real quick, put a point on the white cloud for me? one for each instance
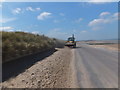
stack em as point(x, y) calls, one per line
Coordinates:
point(5, 20)
point(6, 28)
point(57, 33)
point(116, 16)
point(17, 11)
point(43, 15)
point(104, 14)
point(30, 9)
point(96, 23)
point(35, 32)
point(38, 9)
point(19, 30)
point(2, 0)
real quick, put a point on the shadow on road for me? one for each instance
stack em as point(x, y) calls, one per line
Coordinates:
point(12, 69)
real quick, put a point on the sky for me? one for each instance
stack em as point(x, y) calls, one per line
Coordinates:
point(86, 20)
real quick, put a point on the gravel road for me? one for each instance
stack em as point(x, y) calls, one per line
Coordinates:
point(52, 72)
point(96, 67)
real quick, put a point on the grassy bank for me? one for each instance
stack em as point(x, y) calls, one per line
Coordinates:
point(18, 44)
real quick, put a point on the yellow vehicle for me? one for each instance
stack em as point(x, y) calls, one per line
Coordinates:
point(71, 41)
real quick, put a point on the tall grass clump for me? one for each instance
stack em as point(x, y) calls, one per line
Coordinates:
point(18, 44)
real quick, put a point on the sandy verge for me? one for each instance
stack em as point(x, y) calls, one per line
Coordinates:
point(52, 72)
point(113, 47)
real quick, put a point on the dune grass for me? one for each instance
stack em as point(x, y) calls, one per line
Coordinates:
point(18, 44)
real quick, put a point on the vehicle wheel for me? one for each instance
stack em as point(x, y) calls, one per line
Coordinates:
point(74, 46)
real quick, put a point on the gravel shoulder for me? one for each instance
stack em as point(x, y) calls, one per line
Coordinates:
point(54, 71)
point(113, 47)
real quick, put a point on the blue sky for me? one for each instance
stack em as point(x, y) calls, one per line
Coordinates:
point(62, 19)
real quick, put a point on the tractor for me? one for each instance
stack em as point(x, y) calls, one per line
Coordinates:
point(71, 42)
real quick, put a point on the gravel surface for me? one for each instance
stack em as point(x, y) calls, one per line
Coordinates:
point(54, 71)
point(96, 68)
point(113, 47)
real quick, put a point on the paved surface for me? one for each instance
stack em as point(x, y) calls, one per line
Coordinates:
point(96, 68)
